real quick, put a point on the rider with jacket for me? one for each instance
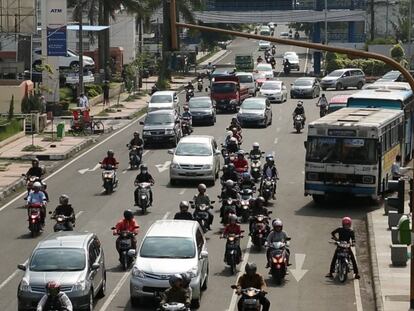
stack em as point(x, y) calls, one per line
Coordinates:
point(176, 293)
point(300, 110)
point(65, 209)
point(277, 235)
point(270, 170)
point(35, 170)
point(36, 196)
point(255, 150)
point(136, 141)
point(229, 173)
point(247, 182)
point(203, 198)
point(322, 104)
point(241, 163)
point(184, 214)
point(258, 209)
point(187, 116)
point(143, 176)
point(128, 223)
point(233, 228)
point(345, 234)
point(54, 299)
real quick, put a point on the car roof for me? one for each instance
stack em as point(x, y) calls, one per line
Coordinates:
point(255, 99)
point(305, 78)
point(196, 139)
point(162, 111)
point(244, 74)
point(66, 239)
point(164, 93)
point(172, 228)
point(264, 65)
point(272, 82)
point(204, 98)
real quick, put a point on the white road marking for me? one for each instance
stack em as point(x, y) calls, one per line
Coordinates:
point(303, 172)
point(83, 171)
point(223, 56)
point(163, 166)
point(182, 191)
point(357, 289)
point(298, 273)
point(75, 160)
point(124, 171)
point(233, 301)
point(278, 129)
point(78, 214)
point(115, 291)
point(306, 61)
point(276, 140)
point(166, 215)
point(11, 276)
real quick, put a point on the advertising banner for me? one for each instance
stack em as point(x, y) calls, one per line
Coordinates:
point(56, 19)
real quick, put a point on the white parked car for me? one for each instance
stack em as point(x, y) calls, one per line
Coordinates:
point(275, 91)
point(196, 157)
point(290, 53)
point(170, 247)
point(263, 45)
point(266, 69)
point(71, 60)
point(247, 80)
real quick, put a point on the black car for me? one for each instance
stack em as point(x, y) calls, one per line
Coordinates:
point(202, 110)
point(306, 87)
point(161, 126)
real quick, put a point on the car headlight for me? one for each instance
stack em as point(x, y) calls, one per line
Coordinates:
point(175, 165)
point(169, 132)
point(136, 273)
point(192, 273)
point(79, 286)
point(24, 286)
point(147, 133)
point(206, 167)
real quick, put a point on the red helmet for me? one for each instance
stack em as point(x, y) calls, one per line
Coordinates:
point(346, 221)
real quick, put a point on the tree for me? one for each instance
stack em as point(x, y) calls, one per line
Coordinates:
point(398, 54)
point(401, 27)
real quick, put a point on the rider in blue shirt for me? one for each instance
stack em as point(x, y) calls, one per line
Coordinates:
point(38, 197)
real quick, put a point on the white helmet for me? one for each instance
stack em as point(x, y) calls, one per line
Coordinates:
point(232, 217)
point(300, 103)
point(37, 185)
point(256, 145)
point(229, 183)
point(229, 133)
point(233, 139)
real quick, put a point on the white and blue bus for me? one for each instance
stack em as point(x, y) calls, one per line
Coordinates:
point(351, 151)
point(390, 95)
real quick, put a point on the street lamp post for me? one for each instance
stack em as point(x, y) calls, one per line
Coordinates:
point(80, 48)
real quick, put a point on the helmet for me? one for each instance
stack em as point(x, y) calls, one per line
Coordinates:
point(300, 103)
point(256, 145)
point(110, 153)
point(35, 160)
point(186, 279)
point(63, 199)
point(175, 278)
point(53, 288)
point(143, 168)
point(269, 157)
point(136, 134)
point(323, 95)
point(241, 152)
point(37, 185)
point(184, 204)
point(233, 140)
point(229, 183)
point(186, 107)
point(250, 268)
point(260, 199)
point(128, 214)
point(229, 133)
point(225, 168)
point(277, 223)
point(246, 176)
point(232, 217)
point(202, 187)
point(346, 221)
point(234, 119)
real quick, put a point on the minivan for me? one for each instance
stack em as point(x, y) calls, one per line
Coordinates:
point(247, 80)
point(170, 247)
point(163, 100)
point(343, 78)
point(75, 260)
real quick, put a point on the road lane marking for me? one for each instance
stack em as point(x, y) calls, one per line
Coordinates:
point(115, 291)
point(182, 192)
point(83, 171)
point(166, 215)
point(278, 129)
point(306, 61)
point(298, 273)
point(163, 166)
point(276, 141)
point(75, 160)
point(78, 214)
point(303, 172)
point(4, 283)
point(358, 300)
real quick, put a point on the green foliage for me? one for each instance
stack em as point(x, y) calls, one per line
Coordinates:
point(9, 128)
point(65, 94)
point(388, 40)
point(93, 90)
point(32, 148)
point(371, 67)
point(163, 85)
point(305, 27)
point(31, 103)
point(11, 109)
point(397, 52)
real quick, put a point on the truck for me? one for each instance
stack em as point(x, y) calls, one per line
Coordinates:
point(227, 93)
point(244, 62)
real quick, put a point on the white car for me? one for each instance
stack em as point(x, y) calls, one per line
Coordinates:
point(275, 91)
point(284, 35)
point(71, 60)
point(263, 45)
point(196, 157)
point(247, 80)
point(163, 100)
point(271, 26)
point(170, 247)
point(266, 69)
point(292, 53)
point(293, 60)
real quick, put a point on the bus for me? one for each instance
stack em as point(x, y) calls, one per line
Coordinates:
point(351, 151)
point(390, 95)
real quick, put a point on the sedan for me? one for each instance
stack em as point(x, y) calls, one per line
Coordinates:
point(255, 111)
point(305, 87)
point(275, 91)
point(266, 69)
point(264, 45)
point(202, 110)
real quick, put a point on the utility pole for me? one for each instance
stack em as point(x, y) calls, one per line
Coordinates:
point(326, 21)
point(386, 20)
point(80, 90)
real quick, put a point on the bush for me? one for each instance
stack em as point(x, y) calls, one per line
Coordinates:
point(369, 66)
point(382, 41)
point(31, 103)
point(11, 128)
point(93, 90)
point(397, 53)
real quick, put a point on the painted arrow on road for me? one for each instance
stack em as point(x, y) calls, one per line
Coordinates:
point(298, 273)
point(84, 170)
point(163, 167)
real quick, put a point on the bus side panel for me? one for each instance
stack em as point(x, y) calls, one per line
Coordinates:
point(387, 160)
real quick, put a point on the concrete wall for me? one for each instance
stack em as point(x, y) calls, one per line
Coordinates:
point(16, 88)
point(380, 15)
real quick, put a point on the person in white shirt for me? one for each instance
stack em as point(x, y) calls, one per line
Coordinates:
point(83, 102)
point(397, 170)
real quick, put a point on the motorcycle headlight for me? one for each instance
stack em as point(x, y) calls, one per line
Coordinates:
point(169, 132)
point(147, 133)
point(24, 286)
point(79, 286)
point(206, 167)
point(175, 165)
point(136, 273)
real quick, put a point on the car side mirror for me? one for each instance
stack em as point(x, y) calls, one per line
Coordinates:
point(170, 151)
point(141, 122)
point(288, 238)
point(203, 254)
point(21, 267)
point(95, 266)
point(305, 143)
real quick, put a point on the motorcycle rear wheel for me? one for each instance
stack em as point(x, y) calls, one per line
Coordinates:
point(342, 271)
point(124, 262)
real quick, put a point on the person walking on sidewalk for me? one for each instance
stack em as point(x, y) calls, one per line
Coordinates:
point(105, 89)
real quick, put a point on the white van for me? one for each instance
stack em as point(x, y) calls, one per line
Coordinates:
point(247, 80)
point(163, 100)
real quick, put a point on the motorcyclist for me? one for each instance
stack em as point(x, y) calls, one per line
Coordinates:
point(35, 170)
point(136, 141)
point(232, 145)
point(54, 299)
point(345, 234)
point(176, 293)
point(255, 150)
point(128, 223)
point(300, 110)
point(154, 89)
point(247, 181)
point(233, 228)
point(143, 176)
point(270, 170)
point(258, 209)
point(272, 62)
point(229, 173)
point(184, 214)
point(189, 86)
point(186, 284)
point(110, 160)
point(186, 115)
point(65, 209)
point(277, 235)
point(202, 198)
point(273, 50)
point(241, 163)
point(252, 279)
point(235, 123)
point(36, 196)
point(228, 192)
point(259, 59)
point(322, 103)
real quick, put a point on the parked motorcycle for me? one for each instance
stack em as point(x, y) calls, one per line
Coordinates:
point(109, 179)
point(343, 263)
point(232, 251)
point(200, 84)
point(278, 255)
point(135, 156)
point(144, 189)
point(201, 214)
point(189, 94)
point(298, 122)
point(126, 252)
point(244, 209)
point(61, 223)
point(186, 126)
point(251, 301)
point(255, 166)
point(35, 218)
point(174, 306)
point(266, 190)
point(260, 230)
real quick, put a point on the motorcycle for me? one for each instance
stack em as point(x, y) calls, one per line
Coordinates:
point(298, 122)
point(144, 189)
point(323, 111)
point(286, 69)
point(255, 166)
point(200, 84)
point(154, 89)
point(244, 209)
point(260, 230)
point(251, 301)
point(201, 214)
point(174, 306)
point(109, 179)
point(232, 252)
point(135, 156)
point(343, 263)
point(229, 207)
point(189, 94)
point(35, 218)
point(126, 252)
point(61, 223)
point(266, 190)
point(278, 255)
point(186, 126)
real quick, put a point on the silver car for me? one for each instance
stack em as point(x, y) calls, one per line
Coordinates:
point(75, 260)
point(344, 78)
point(255, 111)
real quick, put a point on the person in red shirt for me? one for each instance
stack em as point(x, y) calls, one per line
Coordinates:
point(110, 160)
point(127, 224)
point(233, 228)
point(241, 163)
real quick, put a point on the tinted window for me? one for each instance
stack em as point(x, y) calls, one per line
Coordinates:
point(193, 149)
point(92, 254)
point(224, 87)
point(167, 247)
point(161, 99)
point(253, 105)
point(336, 73)
point(302, 82)
point(196, 103)
point(245, 79)
point(271, 86)
point(58, 259)
point(156, 119)
point(199, 241)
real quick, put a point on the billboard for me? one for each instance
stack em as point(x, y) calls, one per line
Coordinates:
point(18, 16)
point(56, 27)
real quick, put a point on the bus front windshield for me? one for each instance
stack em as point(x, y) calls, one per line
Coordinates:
point(342, 150)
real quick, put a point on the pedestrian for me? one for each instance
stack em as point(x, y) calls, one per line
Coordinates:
point(397, 170)
point(43, 104)
point(83, 102)
point(105, 89)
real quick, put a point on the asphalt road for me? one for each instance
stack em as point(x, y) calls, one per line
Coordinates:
point(309, 226)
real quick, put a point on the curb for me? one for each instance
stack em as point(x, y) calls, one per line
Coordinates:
point(11, 188)
point(379, 305)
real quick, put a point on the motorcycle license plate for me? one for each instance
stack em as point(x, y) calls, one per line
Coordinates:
point(191, 173)
point(250, 301)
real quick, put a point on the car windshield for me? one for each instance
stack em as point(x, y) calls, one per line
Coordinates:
point(158, 118)
point(292, 58)
point(264, 42)
point(245, 78)
point(302, 82)
point(264, 67)
point(224, 87)
point(161, 99)
point(197, 103)
point(336, 73)
point(341, 150)
point(243, 59)
point(253, 105)
point(193, 149)
point(58, 259)
point(167, 247)
point(270, 86)
point(391, 75)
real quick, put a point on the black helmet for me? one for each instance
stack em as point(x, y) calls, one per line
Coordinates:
point(175, 278)
point(143, 167)
point(184, 204)
point(35, 160)
point(128, 214)
point(251, 268)
point(63, 199)
point(110, 153)
point(260, 199)
point(136, 134)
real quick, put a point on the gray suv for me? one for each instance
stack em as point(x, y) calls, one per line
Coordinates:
point(344, 78)
point(161, 126)
point(75, 260)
